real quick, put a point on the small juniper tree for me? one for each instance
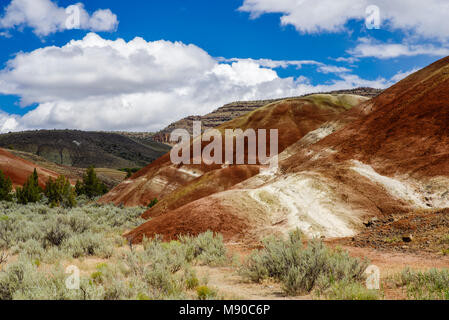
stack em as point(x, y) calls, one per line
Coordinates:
point(91, 186)
point(60, 193)
point(153, 203)
point(31, 191)
point(5, 188)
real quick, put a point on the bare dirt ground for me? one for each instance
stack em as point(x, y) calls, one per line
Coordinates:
point(232, 287)
point(390, 262)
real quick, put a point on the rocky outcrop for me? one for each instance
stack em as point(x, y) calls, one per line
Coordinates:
point(237, 109)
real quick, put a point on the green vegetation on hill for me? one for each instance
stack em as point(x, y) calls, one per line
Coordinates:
point(82, 149)
point(59, 192)
point(91, 186)
point(130, 171)
point(5, 187)
point(31, 192)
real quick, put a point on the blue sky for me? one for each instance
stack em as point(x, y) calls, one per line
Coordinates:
point(40, 87)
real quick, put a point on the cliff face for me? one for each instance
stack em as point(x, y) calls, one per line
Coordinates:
point(234, 110)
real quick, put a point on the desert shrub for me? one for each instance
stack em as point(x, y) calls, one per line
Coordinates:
point(153, 203)
point(274, 260)
point(207, 248)
point(59, 192)
point(6, 231)
point(3, 258)
point(87, 244)
point(78, 223)
point(31, 248)
point(163, 283)
point(31, 191)
point(55, 232)
point(5, 187)
point(302, 270)
point(206, 293)
point(91, 186)
point(95, 228)
point(159, 271)
point(191, 279)
point(343, 290)
point(429, 285)
point(23, 281)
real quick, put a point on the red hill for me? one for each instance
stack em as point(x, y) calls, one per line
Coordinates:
point(18, 170)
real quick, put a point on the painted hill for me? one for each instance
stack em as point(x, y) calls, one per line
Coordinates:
point(387, 156)
point(110, 177)
point(175, 185)
point(237, 109)
point(18, 169)
point(83, 149)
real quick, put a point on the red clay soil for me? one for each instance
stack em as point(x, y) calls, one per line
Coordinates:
point(413, 232)
point(193, 219)
point(403, 130)
point(294, 118)
point(18, 169)
point(210, 183)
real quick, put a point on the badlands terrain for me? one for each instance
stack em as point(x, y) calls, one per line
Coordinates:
point(362, 174)
point(348, 164)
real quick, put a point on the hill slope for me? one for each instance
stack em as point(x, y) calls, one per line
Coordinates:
point(83, 149)
point(18, 169)
point(237, 109)
point(293, 117)
point(387, 156)
point(110, 177)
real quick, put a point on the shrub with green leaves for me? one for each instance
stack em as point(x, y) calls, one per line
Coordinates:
point(5, 187)
point(207, 248)
point(91, 186)
point(429, 285)
point(59, 192)
point(206, 293)
point(50, 234)
point(31, 192)
point(300, 269)
point(40, 236)
point(153, 203)
point(344, 290)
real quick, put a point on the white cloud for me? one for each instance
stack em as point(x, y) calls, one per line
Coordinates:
point(98, 84)
point(332, 69)
point(370, 48)
point(424, 18)
point(274, 64)
point(345, 59)
point(46, 17)
point(402, 75)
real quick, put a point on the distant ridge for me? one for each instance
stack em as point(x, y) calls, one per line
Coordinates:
point(83, 149)
point(239, 108)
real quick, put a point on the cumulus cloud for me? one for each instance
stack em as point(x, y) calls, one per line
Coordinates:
point(298, 64)
point(427, 19)
point(45, 17)
point(99, 84)
point(274, 64)
point(370, 48)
